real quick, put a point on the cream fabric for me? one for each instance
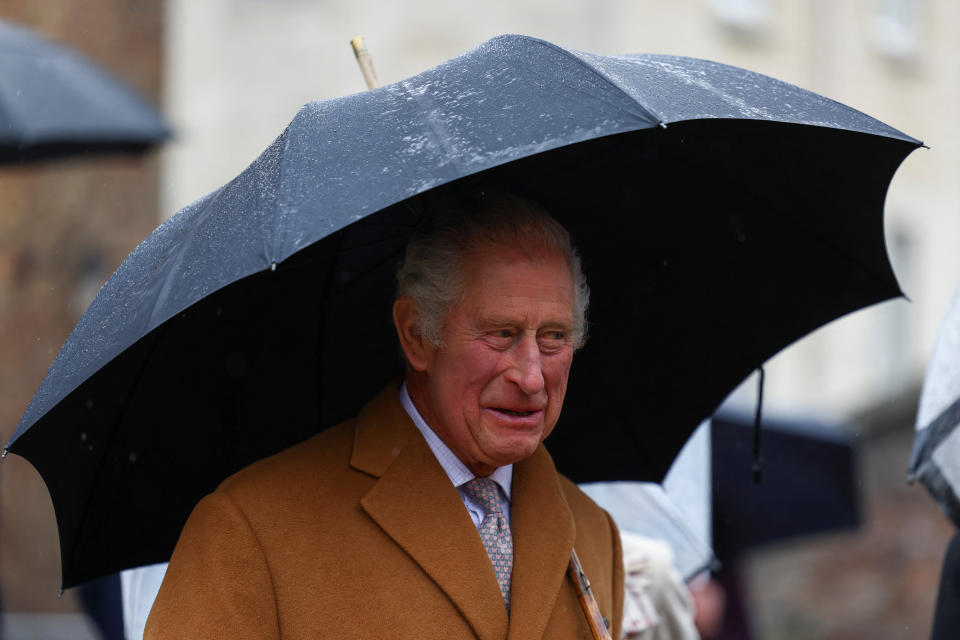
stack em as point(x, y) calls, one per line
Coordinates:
point(657, 604)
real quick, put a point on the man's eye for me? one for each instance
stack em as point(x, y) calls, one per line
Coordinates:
point(553, 339)
point(500, 338)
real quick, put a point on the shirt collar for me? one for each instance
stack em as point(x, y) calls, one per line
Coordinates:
point(455, 469)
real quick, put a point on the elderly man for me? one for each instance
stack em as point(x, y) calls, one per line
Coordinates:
point(437, 512)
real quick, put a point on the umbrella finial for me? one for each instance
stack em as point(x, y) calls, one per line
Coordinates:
point(365, 62)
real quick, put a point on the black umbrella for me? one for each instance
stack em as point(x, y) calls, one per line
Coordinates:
point(809, 483)
point(260, 313)
point(808, 486)
point(55, 102)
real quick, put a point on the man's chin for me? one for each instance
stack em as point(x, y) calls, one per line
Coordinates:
point(517, 450)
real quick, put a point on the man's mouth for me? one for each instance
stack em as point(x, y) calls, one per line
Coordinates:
point(511, 412)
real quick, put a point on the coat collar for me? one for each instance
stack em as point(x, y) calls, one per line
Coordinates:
point(441, 538)
point(543, 536)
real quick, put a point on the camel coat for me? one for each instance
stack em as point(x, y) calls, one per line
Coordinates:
point(358, 533)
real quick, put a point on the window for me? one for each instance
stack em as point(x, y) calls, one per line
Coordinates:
point(896, 28)
point(748, 19)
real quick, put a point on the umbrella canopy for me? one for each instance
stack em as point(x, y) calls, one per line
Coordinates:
point(709, 496)
point(935, 461)
point(261, 313)
point(55, 102)
point(676, 511)
point(809, 483)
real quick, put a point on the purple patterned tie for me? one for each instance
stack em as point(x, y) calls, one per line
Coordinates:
point(494, 531)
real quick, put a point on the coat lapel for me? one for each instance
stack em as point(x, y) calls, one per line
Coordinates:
point(417, 506)
point(543, 536)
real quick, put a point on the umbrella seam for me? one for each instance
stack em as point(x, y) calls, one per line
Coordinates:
point(940, 488)
point(436, 130)
point(187, 240)
point(650, 115)
point(275, 253)
point(890, 133)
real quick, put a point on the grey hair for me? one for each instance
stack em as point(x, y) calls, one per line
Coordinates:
point(431, 271)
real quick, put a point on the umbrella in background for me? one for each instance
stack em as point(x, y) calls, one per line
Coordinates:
point(709, 497)
point(676, 511)
point(261, 313)
point(54, 102)
point(809, 483)
point(935, 461)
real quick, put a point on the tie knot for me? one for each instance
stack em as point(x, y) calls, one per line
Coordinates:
point(485, 492)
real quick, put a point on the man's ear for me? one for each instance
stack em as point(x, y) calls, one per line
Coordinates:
point(419, 352)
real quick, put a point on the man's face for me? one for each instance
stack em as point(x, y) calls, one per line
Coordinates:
point(494, 389)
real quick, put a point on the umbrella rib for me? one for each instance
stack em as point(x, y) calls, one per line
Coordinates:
point(440, 136)
point(153, 320)
point(274, 253)
point(933, 434)
point(649, 114)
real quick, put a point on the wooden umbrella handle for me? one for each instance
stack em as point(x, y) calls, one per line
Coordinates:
point(598, 624)
point(365, 62)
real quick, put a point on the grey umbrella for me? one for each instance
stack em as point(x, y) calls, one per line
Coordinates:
point(260, 314)
point(677, 511)
point(53, 101)
point(936, 451)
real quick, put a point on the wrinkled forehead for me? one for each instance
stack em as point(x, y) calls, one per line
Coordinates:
point(475, 261)
point(502, 275)
point(534, 239)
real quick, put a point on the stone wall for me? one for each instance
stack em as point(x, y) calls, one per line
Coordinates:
point(65, 225)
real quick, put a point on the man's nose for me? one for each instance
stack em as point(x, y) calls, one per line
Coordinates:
point(527, 372)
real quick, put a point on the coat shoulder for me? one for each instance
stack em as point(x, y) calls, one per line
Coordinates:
point(582, 506)
point(294, 469)
point(597, 537)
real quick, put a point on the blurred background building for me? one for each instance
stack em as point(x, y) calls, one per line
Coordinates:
point(230, 74)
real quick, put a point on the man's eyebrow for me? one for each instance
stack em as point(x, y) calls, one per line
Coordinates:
point(490, 321)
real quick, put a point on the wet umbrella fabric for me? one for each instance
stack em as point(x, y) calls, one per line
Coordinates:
point(54, 102)
point(261, 313)
point(935, 461)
